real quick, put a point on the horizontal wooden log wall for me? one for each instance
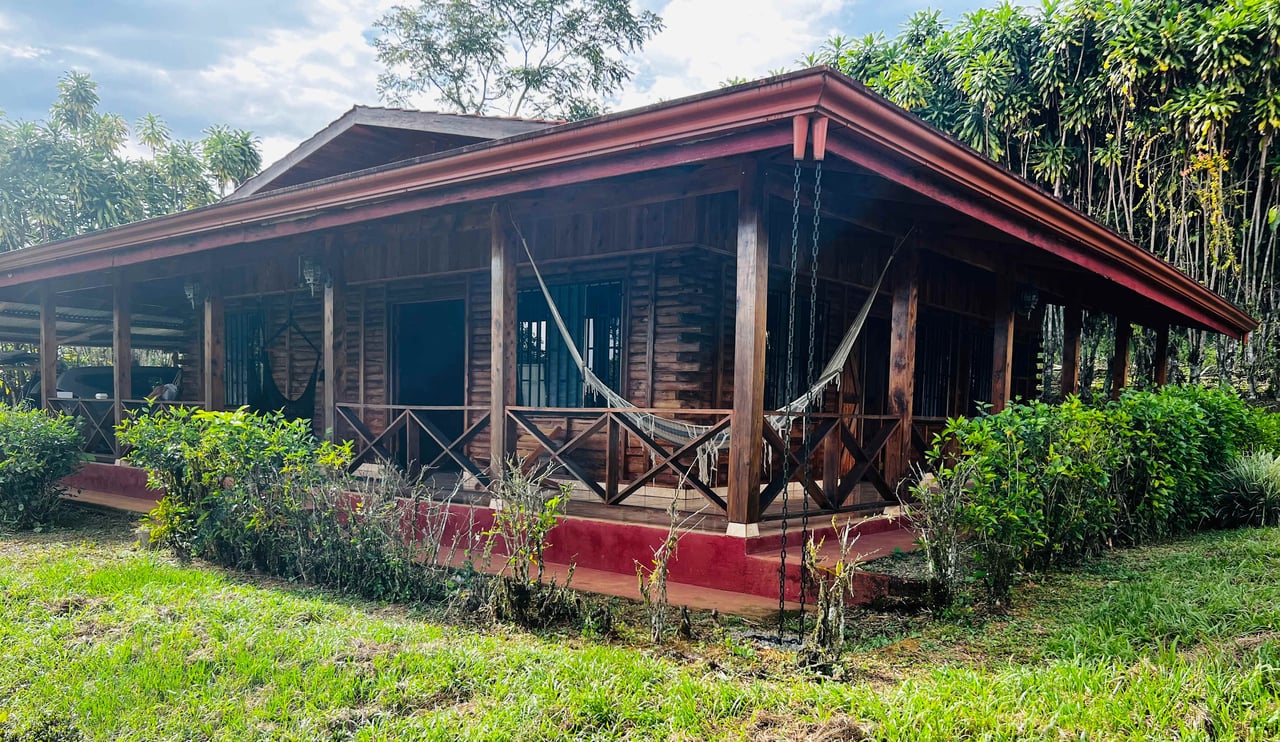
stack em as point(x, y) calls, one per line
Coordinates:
point(659, 253)
point(673, 258)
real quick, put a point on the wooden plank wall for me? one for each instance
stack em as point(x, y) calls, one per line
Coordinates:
point(675, 262)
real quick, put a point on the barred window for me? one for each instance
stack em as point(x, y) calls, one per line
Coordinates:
point(547, 375)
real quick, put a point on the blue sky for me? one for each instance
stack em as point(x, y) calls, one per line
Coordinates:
point(285, 68)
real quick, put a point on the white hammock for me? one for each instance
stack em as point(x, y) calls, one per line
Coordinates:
point(682, 433)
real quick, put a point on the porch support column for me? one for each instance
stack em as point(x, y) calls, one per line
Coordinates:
point(502, 340)
point(1073, 324)
point(746, 437)
point(1120, 359)
point(902, 363)
point(1160, 372)
point(1002, 348)
point(48, 346)
point(214, 352)
point(334, 340)
point(121, 345)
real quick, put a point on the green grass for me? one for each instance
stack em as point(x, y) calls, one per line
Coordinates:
point(1173, 641)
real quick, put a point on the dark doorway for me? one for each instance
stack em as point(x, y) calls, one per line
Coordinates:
point(430, 365)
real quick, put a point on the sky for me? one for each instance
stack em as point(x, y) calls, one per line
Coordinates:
point(286, 68)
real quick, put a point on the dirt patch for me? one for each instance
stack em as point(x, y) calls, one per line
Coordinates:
point(768, 727)
point(363, 653)
point(74, 604)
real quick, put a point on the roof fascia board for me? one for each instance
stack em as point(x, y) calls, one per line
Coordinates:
point(480, 127)
point(912, 141)
point(320, 219)
point(688, 123)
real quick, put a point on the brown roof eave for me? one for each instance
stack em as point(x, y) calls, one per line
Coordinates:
point(695, 118)
point(911, 140)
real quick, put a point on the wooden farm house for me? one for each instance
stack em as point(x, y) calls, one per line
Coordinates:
point(646, 299)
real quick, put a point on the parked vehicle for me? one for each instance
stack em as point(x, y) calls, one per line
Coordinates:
point(87, 382)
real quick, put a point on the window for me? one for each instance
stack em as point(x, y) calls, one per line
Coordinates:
point(547, 375)
point(775, 362)
point(244, 358)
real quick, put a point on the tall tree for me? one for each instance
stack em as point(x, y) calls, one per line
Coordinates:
point(69, 174)
point(551, 58)
point(1156, 117)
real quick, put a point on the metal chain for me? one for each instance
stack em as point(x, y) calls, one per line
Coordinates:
point(805, 422)
point(790, 387)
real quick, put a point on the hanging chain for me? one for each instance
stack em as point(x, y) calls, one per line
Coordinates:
point(805, 422)
point(790, 393)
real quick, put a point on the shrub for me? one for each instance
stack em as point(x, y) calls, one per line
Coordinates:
point(260, 492)
point(1267, 425)
point(834, 583)
point(522, 522)
point(1249, 489)
point(37, 450)
point(935, 510)
point(1040, 485)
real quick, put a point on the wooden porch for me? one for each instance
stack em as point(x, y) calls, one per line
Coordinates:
point(691, 281)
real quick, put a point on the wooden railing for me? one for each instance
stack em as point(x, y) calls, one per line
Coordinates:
point(96, 420)
point(601, 447)
point(842, 451)
point(613, 455)
point(393, 434)
point(923, 430)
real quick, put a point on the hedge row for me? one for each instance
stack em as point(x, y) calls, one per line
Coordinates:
point(1038, 485)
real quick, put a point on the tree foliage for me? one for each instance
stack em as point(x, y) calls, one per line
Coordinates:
point(551, 58)
point(1156, 117)
point(70, 174)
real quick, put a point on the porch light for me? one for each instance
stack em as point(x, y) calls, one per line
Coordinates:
point(312, 274)
point(192, 290)
point(1027, 301)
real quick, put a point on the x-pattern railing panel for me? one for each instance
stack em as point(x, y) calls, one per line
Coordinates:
point(835, 437)
point(618, 429)
point(379, 447)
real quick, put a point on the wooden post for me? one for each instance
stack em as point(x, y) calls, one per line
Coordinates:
point(214, 352)
point(1002, 348)
point(1160, 372)
point(121, 346)
point(502, 339)
point(902, 363)
point(334, 340)
point(746, 428)
point(1120, 360)
point(48, 346)
point(1072, 327)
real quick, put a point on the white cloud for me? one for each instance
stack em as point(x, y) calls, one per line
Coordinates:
point(21, 51)
point(13, 50)
point(706, 42)
point(292, 83)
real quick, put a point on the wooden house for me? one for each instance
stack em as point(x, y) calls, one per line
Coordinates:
point(376, 279)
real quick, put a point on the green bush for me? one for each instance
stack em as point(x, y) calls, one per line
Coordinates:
point(1267, 425)
point(260, 492)
point(1044, 485)
point(37, 450)
point(1249, 489)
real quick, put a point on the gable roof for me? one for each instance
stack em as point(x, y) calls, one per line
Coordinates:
point(367, 136)
point(754, 117)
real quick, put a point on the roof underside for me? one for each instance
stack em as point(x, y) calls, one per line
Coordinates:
point(865, 130)
point(367, 137)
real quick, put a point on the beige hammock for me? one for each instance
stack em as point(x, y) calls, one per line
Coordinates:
point(682, 433)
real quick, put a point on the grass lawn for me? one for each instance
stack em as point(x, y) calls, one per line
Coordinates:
point(1178, 641)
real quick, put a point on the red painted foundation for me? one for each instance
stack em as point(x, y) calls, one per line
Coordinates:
point(111, 479)
point(749, 566)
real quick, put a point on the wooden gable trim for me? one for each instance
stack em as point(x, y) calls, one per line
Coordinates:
point(480, 127)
